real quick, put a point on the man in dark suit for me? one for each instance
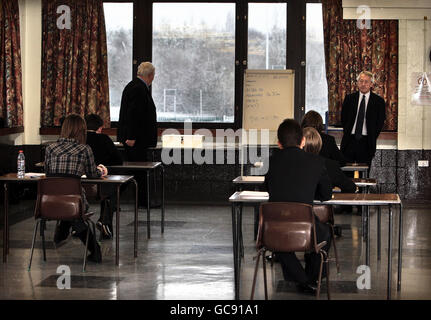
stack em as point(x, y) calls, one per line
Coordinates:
point(138, 121)
point(362, 116)
point(297, 176)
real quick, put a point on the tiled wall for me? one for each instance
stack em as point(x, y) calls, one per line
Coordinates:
point(396, 172)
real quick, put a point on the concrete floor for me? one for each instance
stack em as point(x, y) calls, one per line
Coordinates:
point(193, 259)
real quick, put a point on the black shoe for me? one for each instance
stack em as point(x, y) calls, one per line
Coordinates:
point(306, 288)
point(273, 257)
point(60, 235)
point(96, 255)
point(105, 230)
point(337, 230)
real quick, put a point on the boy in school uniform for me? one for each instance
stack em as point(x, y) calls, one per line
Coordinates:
point(107, 153)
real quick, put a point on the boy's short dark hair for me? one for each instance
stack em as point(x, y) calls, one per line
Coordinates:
point(93, 121)
point(289, 133)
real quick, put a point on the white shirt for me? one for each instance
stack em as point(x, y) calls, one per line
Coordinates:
point(364, 127)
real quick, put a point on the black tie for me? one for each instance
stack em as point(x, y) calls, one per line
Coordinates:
point(360, 120)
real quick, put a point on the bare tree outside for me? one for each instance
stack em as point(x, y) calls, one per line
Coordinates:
point(267, 35)
point(119, 35)
point(194, 55)
point(316, 87)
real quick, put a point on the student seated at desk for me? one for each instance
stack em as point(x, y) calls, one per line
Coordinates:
point(297, 176)
point(67, 157)
point(329, 146)
point(104, 152)
point(313, 144)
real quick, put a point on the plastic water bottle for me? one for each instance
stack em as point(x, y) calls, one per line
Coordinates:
point(21, 164)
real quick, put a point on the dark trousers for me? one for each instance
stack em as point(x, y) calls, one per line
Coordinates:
point(292, 268)
point(81, 231)
point(358, 150)
point(139, 154)
point(110, 204)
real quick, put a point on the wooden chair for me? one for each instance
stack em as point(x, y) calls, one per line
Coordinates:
point(325, 213)
point(288, 227)
point(59, 198)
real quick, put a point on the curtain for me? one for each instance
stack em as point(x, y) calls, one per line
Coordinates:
point(11, 109)
point(350, 50)
point(74, 60)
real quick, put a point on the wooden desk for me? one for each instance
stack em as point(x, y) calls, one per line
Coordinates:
point(259, 180)
point(241, 182)
point(238, 199)
point(147, 167)
point(361, 167)
point(117, 180)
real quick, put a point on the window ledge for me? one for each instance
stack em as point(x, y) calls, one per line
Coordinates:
point(8, 131)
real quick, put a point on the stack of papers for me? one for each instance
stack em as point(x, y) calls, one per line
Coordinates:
point(34, 175)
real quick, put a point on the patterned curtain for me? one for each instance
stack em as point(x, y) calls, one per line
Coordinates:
point(74, 60)
point(10, 65)
point(349, 50)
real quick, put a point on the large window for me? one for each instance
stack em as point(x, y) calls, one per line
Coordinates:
point(201, 50)
point(194, 56)
point(119, 35)
point(316, 87)
point(267, 35)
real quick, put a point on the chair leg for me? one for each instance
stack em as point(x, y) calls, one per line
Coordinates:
point(335, 248)
point(42, 234)
point(32, 243)
point(327, 275)
point(86, 247)
point(255, 274)
point(94, 231)
point(264, 274)
point(319, 281)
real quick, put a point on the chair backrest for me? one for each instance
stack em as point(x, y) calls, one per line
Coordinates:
point(286, 227)
point(324, 212)
point(59, 198)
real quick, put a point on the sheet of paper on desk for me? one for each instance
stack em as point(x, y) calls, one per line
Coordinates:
point(34, 175)
point(253, 178)
point(254, 194)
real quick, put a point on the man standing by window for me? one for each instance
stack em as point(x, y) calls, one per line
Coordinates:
point(362, 116)
point(138, 121)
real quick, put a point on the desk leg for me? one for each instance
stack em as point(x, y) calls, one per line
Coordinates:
point(256, 221)
point(136, 219)
point(117, 229)
point(379, 239)
point(163, 198)
point(241, 241)
point(367, 250)
point(235, 250)
point(400, 247)
point(5, 223)
point(148, 205)
point(390, 254)
point(379, 227)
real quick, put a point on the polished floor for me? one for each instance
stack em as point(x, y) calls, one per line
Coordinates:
point(193, 259)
